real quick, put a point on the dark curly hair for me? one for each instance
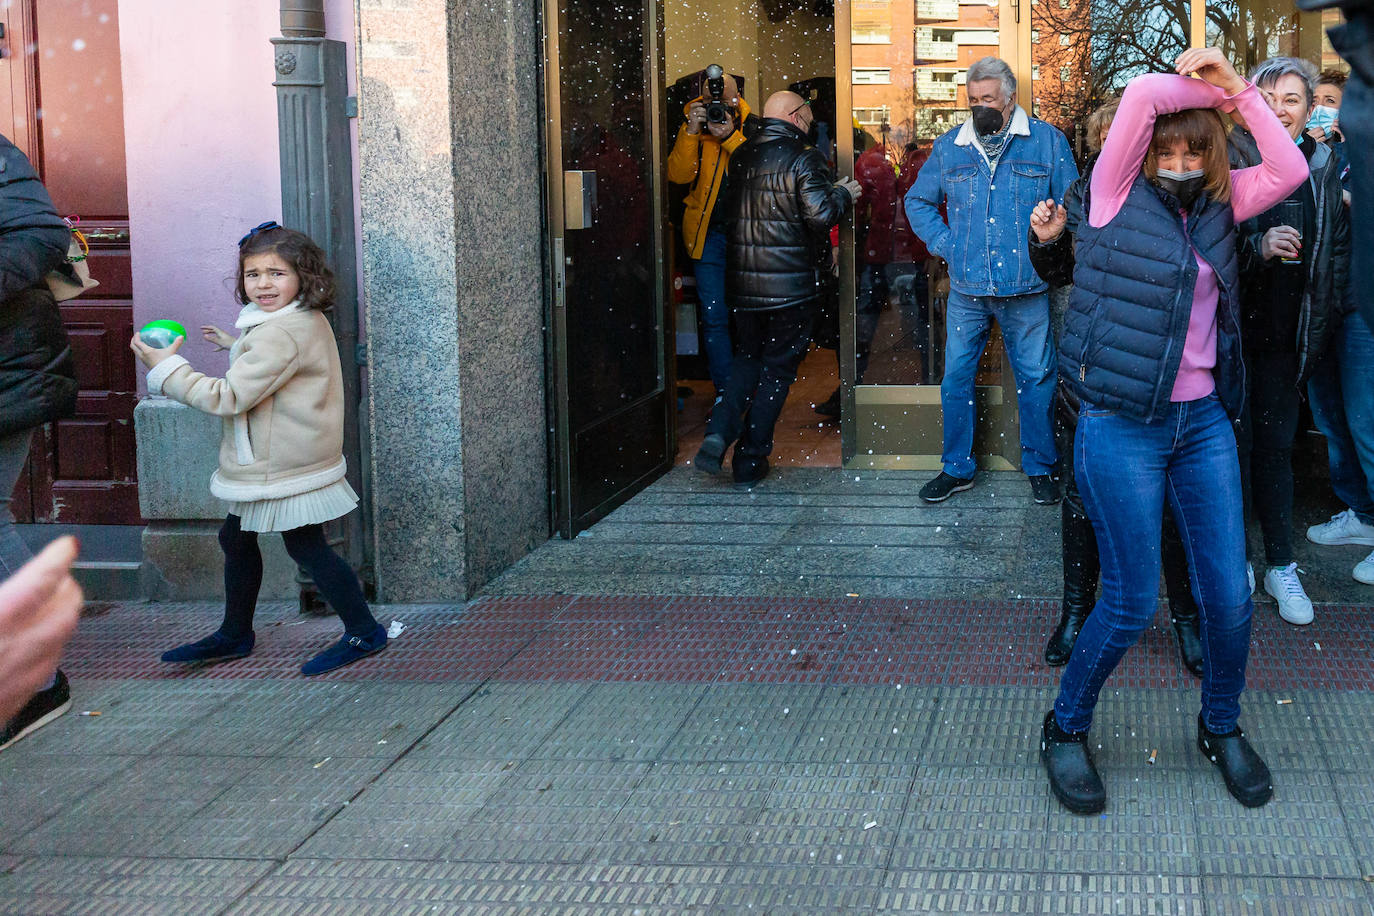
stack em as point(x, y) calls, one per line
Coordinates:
point(304, 256)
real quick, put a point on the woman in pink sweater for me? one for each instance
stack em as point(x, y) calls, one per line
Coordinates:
point(1151, 346)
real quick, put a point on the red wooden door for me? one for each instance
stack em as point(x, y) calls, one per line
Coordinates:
point(61, 100)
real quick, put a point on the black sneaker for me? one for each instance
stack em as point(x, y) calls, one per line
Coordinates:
point(710, 455)
point(1247, 777)
point(945, 486)
point(45, 706)
point(1045, 490)
point(1069, 765)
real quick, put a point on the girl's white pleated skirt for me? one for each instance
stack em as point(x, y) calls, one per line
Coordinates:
point(313, 508)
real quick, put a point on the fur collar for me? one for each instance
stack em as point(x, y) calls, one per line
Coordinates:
point(251, 316)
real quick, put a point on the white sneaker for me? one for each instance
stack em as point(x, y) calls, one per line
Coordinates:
point(1364, 570)
point(1250, 576)
point(1282, 583)
point(1345, 528)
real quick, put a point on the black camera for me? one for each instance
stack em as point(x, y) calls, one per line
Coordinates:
point(717, 112)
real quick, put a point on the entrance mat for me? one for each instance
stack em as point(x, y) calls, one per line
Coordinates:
point(712, 640)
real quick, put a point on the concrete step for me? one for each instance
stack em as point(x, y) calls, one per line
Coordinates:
point(111, 561)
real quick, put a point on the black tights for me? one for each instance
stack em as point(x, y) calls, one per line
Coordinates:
point(308, 547)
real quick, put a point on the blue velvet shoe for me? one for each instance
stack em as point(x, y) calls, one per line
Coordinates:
point(213, 648)
point(345, 652)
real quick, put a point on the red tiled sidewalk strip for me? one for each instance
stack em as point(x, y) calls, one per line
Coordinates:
point(709, 639)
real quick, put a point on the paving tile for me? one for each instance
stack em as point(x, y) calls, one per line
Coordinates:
point(1275, 896)
point(796, 648)
point(892, 648)
point(691, 643)
point(1299, 834)
point(817, 889)
point(988, 726)
point(412, 811)
point(34, 789)
point(549, 811)
point(382, 721)
point(1137, 894)
point(619, 721)
point(744, 722)
point(823, 815)
point(1131, 723)
point(867, 724)
point(271, 810)
point(258, 719)
point(1002, 892)
point(683, 813)
point(1148, 827)
point(1344, 726)
point(475, 887)
point(102, 886)
point(133, 809)
point(135, 717)
point(1284, 734)
point(1355, 792)
point(503, 720)
point(974, 818)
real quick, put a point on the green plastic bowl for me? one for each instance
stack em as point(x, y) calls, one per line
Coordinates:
point(160, 333)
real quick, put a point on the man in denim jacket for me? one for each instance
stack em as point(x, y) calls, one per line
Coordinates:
point(989, 174)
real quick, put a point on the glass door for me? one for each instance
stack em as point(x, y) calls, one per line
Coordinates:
point(906, 61)
point(612, 409)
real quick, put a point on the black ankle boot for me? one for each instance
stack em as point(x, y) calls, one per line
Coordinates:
point(1247, 777)
point(1069, 765)
point(1189, 640)
point(1081, 567)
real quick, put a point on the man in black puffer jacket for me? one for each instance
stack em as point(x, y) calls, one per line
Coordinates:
point(37, 377)
point(781, 207)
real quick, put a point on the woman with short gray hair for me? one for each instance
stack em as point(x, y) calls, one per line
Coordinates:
point(1294, 267)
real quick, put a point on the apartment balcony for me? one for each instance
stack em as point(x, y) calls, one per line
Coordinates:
point(928, 49)
point(929, 90)
point(937, 10)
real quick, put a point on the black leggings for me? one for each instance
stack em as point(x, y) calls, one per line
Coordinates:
point(308, 547)
point(1268, 431)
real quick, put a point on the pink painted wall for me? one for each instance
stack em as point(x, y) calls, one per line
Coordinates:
point(201, 141)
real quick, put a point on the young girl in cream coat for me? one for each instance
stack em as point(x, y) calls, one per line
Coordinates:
point(281, 464)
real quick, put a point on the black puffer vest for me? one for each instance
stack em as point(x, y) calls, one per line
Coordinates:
point(1132, 298)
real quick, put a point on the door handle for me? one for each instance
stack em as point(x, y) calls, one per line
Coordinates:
point(106, 234)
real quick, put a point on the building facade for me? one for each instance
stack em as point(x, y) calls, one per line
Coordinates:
point(514, 235)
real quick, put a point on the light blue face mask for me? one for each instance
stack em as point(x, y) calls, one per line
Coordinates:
point(1324, 117)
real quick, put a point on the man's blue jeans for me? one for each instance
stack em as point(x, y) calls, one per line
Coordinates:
point(1126, 471)
point(1342, 394)
point(1025, 322)
point(715, 315)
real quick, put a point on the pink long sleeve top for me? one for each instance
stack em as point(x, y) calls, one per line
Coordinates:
point(1253, 190)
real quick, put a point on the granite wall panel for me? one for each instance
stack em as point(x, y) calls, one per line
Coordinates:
point(452, 254)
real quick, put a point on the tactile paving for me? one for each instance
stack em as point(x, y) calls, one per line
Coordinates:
point(910, 891)
point(99, 886)
point(744, 722)
point(580, 754)
point(1232, 896)
point(1141, 894)
point(975, 818)
point(1299, 834)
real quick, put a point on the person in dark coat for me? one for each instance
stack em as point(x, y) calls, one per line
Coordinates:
point(37, 376)
point(781, 207)
point(1294, 263)
point(1052, 257)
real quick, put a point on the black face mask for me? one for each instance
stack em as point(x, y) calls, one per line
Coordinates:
point(1186, 186)
point(813, 133)
point(986, 119)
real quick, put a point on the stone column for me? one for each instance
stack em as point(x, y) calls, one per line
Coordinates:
point(453, 278)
